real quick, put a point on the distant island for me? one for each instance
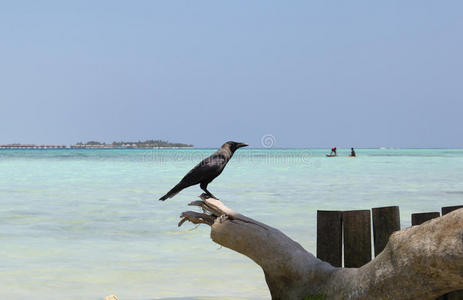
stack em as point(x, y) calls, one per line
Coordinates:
point(148, 144)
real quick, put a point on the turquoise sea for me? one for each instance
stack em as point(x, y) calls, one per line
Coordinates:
point(83, 224)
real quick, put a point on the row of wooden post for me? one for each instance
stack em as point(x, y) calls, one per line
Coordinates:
point(352, 229)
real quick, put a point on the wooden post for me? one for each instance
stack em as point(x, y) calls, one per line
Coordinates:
point(420, 218)
point(357, 238)
point(386, 220)
point(329, 237)
point(456, 295)
point(447, 209)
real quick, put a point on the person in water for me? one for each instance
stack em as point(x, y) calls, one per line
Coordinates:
point(333, 151)
point(352, 152)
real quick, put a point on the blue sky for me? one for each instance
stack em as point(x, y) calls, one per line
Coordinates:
point(310, 73)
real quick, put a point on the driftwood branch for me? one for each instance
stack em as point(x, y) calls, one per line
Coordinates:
point(420, 262)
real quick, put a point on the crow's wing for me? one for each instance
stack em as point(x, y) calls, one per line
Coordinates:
point(206, 170)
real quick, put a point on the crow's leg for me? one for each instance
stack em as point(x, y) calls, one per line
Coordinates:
point(203, 186)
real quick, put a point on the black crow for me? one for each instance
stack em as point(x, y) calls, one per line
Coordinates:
point(206, 170)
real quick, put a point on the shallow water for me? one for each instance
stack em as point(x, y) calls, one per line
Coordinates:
point(83, 224)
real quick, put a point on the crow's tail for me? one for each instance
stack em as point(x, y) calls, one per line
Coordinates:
point(174, 191)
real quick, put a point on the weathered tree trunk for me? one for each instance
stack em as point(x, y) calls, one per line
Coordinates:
point(420, 262)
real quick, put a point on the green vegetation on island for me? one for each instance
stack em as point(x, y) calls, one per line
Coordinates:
point(139, 144)
point(152, 144)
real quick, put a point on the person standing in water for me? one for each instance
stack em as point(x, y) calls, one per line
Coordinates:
point(352, 152)
point(333, 151)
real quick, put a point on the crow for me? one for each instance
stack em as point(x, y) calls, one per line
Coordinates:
point(206, 170)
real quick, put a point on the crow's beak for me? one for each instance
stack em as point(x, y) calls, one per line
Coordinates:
point(242, 145)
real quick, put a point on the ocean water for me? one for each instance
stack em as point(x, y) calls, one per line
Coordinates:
point(83, 224)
